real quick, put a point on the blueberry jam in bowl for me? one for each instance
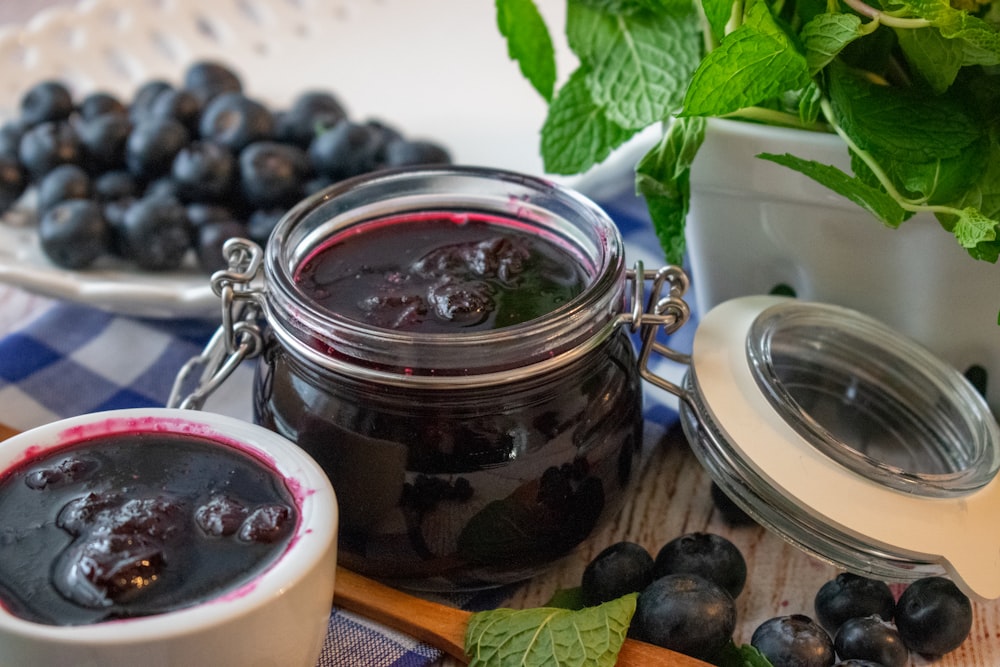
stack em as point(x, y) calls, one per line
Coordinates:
point(163, 537)
point(449, 345)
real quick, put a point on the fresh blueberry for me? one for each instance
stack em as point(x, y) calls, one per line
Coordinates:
point(10, 138)
point(620, 569)
point(145, 95)
point(204, 171)
point(48, 145)
point(113, 185)
point(871, 638)
point(707, 555)
point(152, 146)
point(114, 213)
point(210, 238)
point(273, 174)
point(405, 153)
point(685, 613)
point(203, 213)
point(164, 186)
point(262, 222)
point(235, 121)
point(848, 596)
point(385, 135)
point(67, 181)
point(156, 233)
point(933, 616)
point(207, 79)
point(181, 105)
point(312, 113)
point(104, 138)
point(347, 149)
point(99, 103)
point(13, 181)
point(74, 233)
point(46, 101)
point(793, 641)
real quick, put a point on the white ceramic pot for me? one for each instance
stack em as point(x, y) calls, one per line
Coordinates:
point(754, 225)
point(279, 617)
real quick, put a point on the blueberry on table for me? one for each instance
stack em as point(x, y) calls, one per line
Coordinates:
point(207, 79)
point(793, 641)
point(74, 233)
point(933, 616)
point(99, 103)
point(48, 145)
point(311, 113)
point(273, 174)
point(619, 569)
point(204, 171)
point(152, 146)
point(67, 181)
point(114, 185)
point(46, 101)
point(103, 139)
point(10, 138)
point(13, 181)
point(156, 233)
point(685, 613)
point(871, 638)
point(235, 121)
point(705, 554)
point(850, 595)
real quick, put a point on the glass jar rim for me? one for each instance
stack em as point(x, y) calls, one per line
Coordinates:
point(342, 343)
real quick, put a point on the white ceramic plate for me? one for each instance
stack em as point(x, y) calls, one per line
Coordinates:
point(436, 68)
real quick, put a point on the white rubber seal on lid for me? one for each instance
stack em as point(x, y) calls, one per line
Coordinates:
point(886, 518)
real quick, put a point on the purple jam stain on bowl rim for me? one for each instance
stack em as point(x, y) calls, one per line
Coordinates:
point(83, 433)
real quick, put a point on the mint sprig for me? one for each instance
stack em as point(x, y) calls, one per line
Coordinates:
point(912, 86)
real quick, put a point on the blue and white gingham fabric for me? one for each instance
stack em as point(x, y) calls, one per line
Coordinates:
point(73, 359)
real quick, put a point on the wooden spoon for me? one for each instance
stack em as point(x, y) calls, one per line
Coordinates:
point(443, 627)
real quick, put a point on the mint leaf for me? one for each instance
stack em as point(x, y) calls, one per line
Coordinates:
point(717, 13)
point(639, 63)
point(663, 178)
point(980, 40)
point(549, 637)
point(577, 134)
point(877, 202)
point(754, 63)
point(935, 58)
point(896, 123)
point(825, 37)
point(973, 228)
point(528, 43)
point(567, 598)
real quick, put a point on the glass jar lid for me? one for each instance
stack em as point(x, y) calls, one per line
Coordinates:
point(847, 439)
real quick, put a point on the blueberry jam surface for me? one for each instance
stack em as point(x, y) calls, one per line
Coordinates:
point(441, 272)
point(136, 524)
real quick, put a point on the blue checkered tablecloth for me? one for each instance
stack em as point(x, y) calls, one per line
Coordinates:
point(73, 359)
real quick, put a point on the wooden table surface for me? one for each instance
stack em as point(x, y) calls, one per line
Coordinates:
point(672, 496)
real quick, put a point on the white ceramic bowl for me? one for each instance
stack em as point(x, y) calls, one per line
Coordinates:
point(278, 618)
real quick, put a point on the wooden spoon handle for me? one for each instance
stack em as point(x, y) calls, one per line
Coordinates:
point(444, 627)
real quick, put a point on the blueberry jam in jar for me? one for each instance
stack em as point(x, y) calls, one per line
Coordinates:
point(448, 345)
point(136, 524)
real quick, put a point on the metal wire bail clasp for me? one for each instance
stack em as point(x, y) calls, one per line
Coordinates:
point(238, 337)
point(660, 312)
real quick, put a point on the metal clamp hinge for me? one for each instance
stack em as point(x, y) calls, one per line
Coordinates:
point(662, 311)
point(239, 336)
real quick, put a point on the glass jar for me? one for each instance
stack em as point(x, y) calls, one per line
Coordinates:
point(461, 459)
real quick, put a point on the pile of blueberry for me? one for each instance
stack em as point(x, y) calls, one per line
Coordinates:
point(181, 167)
point(686, 603)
